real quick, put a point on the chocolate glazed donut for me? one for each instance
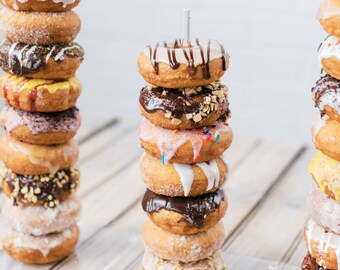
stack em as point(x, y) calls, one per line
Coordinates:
point(310, 264)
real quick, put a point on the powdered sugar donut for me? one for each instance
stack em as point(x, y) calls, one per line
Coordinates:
point(41, 5)
point(329, 16)
point(329, 56)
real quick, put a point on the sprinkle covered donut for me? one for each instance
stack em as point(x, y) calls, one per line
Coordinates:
point(329, 16)
point(41, 5)
point(329, 56)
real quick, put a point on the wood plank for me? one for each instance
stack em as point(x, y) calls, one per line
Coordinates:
point(299, 252)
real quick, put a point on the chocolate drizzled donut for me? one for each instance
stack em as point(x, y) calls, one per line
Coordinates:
point(310, 264)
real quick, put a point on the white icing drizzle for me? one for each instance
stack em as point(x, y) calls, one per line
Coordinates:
point(64, 2)
point(318, 125)
point(10, 51)
point(186, 174)
point(329, 48)
point(328, 9)
point(212, 173)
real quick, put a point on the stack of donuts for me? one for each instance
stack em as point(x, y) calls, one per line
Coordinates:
point(322, 231)
point(39, 177)
point(184, 133)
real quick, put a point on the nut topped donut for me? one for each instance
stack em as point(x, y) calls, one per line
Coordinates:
point(329, 56)
point(39, 27)
point(55, 61)
point(184, 108)
point(180, 63)
point(326, 95)
point(329, 16)
point(41, 5)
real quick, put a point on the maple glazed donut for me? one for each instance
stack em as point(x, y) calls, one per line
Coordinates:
point(310, 264)
point(38, 220)
point(185, 108)
point(178, 180)
point(326, 97)
point(323, 246)
point(40, 128)
point(40, 249)
point(329, 56)
point(326, 136)
point(180, 64)
point(36, 95)
point(185, 215)
point(55, 61)
point(185, 146)
point(30, 159)
point(41, 5)
point(182, 248)
point(329, 16)
point(326, 173)
point(39, 27)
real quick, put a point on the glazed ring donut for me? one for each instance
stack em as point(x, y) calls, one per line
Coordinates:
point(329, 56)
point(46, 190)
point(326, 136)
point(38, 221)
point(39, 27)
point(329, 16)
point(326, 97)
point(182, 248)
point(30, 159)
point(185, 215)
point(178, 65)
point(178, 180)
point(326, 173)
point(185, 146)
point(188, 108)
point(41, 6)
point(35, 95)
point(310, 264)
point(323, 246)
point(40, 249)
point(40, 128)
point(55, 61)
point(152, 262)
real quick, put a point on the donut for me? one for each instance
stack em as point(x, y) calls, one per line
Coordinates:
point(324, 211)
point(326, 174)
point(30, 159)
point(329, 16)
point(38, 220)
point(47, 190)
point(55, 61)
point(41, 5)
point(310, 264)
point(329, 56)
point(182, 248)
point(326, 136)
point(180, 64)
point(185, 146)
point(326, 96)
point(323, 246)
point(39, 27)
point(36, 95)
point(187, 108)
point(40, 249)
point(152, 262)
point(40, 128)
point(185, 215)
point(178, 180)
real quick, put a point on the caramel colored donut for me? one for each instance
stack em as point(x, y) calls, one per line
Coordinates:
point(40, 128)
point(31, 159)
point(41, 5)
point(326, 97)
point(187, 108)
point(152, 262)
point(39, 27)
point(38, 220)
point(185, 146)
point(326, 136)
point(178, 180)
point(182, 248)
point(185, 215)
point(40, 249)
point(35, 95)
point(329, 16)
point(46, 190)
point(178, 65)
point(55, 61)
point(329, 56)
point(323, 246)
point(326, 173)
point(310, 264)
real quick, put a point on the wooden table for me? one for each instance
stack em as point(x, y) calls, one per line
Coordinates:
point(267, 189)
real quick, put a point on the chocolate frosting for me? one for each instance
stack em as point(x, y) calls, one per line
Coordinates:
point(310, 264)
point(193, 209)
point(21, 59)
